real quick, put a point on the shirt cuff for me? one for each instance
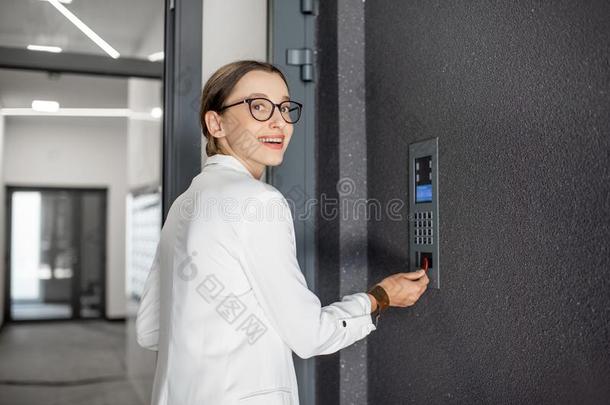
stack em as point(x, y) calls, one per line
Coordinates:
point(360, 326)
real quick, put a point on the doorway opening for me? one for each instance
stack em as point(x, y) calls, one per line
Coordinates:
point(56, 253)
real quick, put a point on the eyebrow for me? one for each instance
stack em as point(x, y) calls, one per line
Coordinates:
point(265, 95)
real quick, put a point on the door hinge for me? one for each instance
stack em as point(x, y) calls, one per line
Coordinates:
point(309, 6)
point(304, 58)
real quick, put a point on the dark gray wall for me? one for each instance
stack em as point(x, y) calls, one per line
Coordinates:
point(517, 93)
point(328, 276)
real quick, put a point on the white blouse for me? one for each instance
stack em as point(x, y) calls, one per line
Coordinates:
point(225, 303)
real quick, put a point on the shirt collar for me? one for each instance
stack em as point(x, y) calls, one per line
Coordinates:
point(227, 161)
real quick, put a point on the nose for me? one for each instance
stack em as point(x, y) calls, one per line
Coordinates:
point(276, 120)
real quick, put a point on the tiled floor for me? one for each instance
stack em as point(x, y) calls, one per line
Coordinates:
point(67, 363)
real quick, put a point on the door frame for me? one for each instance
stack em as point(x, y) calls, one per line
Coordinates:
point(9, 190)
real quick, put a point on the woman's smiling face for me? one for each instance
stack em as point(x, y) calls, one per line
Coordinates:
point(239, 133)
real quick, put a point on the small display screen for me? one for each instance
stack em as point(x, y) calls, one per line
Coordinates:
point(423, 179)
point(423, 193)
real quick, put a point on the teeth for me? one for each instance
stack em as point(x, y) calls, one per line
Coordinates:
point(270, 139)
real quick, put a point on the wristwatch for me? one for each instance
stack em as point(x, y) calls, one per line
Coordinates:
point(383, 301)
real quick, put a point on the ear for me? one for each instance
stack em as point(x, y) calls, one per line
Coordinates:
point(213, 122)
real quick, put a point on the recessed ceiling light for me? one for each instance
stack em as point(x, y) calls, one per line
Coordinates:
point(155, 57)
point(156, 112)
point(45, 106)
point(84, 28)
point(44, 48)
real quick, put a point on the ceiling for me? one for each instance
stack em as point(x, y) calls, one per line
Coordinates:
point(19, 87)
point(133, 27)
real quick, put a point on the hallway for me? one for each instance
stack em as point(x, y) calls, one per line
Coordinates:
point(68, 363)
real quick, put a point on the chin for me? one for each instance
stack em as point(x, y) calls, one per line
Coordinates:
point(277, 162)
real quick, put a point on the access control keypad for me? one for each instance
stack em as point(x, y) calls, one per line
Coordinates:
point(423, 228)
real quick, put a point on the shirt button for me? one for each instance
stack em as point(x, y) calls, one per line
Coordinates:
point(344, 323)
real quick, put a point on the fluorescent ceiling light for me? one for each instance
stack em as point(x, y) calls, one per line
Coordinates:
point(45, 106)
point(85, 29)
point(44, 48)
point(78, 112)
point(62, 1)
point(155, 57)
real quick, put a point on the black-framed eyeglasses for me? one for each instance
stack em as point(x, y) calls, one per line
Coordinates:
point(262, 109)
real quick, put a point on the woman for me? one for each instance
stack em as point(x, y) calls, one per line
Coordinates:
point(225, 303)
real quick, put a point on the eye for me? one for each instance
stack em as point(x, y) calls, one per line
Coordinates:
point(260, 105)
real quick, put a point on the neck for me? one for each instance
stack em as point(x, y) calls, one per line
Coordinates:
point(256, 170)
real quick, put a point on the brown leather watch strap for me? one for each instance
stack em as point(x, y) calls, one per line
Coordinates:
point(383, 300)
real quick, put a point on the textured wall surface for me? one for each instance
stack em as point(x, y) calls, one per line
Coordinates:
point(517, 93)
point(328, 278)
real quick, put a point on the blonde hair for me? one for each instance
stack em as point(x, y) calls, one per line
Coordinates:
point(219, 86)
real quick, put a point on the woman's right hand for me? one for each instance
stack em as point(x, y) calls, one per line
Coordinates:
point(404, 289)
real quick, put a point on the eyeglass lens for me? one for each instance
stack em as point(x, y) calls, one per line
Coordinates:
point(262, 110)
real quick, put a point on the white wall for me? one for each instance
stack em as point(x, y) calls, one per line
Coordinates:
point(144, 137)
point(232, 30)
point(144, 165)
point(76, 152)
point(144, 151)
point(2, 222)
